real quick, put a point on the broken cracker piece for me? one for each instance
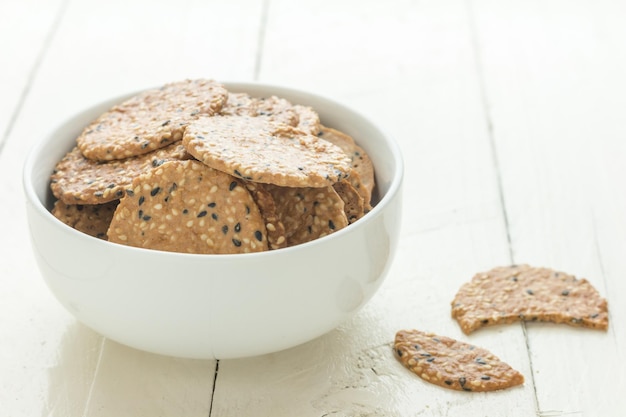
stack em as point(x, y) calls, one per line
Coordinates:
point(453, 364)
point(515, 293)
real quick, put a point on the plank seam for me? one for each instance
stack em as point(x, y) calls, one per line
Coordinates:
point(482, 84)
point(217, 368)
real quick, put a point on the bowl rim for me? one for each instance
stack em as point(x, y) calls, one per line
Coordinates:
point(396, 177)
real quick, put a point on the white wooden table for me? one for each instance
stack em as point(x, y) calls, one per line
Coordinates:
point(512, 119)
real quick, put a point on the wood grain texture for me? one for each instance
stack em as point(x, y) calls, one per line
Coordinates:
point(510, 118)
point(555, 109)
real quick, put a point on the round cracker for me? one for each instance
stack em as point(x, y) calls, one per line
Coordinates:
point(150, 120)
point(185, 206)
point(353, 202)
point(308, 213)
point(92, 219)
point(258, 150)
point(308, 119)
point(78, 180)
point(271, 108)
point(275, 228)
point(360, 160)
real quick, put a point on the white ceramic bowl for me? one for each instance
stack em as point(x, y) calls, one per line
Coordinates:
point(218, 306)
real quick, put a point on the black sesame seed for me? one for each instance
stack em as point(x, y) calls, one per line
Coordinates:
point(119, 193)
point(214, 216)
point(98, 194)
point(173, 187)
point(399, 352)
point(140, 214)
point(485, 377)
point(417, 347)
point(145, 145)
point(111, 185)
point(211, 205)
point(225, 229)
point(165, 123)
point(238, 227)
point(146, 217)
point(514, 279)
point(232, 185)
point(484, 321)
point(480, 361)
point(530, 292)
point(185, 211)
point(594, 315)
point(448, 382)
point(430, 360)
point(202, 213)
point(565, 292)
point(331, 225)
point(237, 242)
point(258, 235)
point(155, 191)
point(141, 199)
point(436, 340)
point(462, 381)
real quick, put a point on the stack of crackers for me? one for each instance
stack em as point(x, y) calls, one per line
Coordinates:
point(192, 167)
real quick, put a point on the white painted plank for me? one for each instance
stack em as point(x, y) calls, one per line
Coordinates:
point(554, 79)
point(411, 67)
point(25, 29)
point(134, 383)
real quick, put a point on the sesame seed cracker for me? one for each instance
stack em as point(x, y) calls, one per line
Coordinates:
point(353, 202)
point(150, 120)
point(185, 206)
point(362, 174)
point(92, 219)
point(453, 364)
point(78, 180)
point(523, 293)
point(258, 150)
point(308, 213)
